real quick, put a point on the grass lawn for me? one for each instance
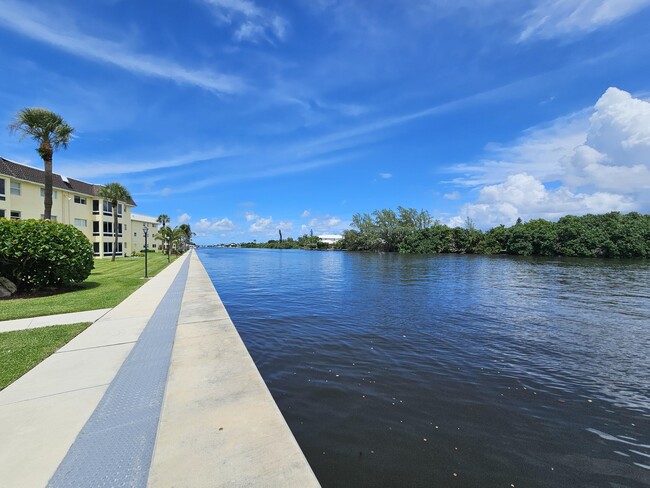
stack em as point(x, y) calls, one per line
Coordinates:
point(21, 350)
point(108, 284)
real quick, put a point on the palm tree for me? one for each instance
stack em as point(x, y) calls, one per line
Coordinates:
point(114, 192)
point(170, 237)
point(163, 219)
point(187, 235)
point(50, 131)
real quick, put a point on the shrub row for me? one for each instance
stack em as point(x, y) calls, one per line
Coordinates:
point(39, 253)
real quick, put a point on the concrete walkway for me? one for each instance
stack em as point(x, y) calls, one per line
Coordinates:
point(214, 421)
point(47, 320)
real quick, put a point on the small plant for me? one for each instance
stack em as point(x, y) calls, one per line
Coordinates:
point(40, 254)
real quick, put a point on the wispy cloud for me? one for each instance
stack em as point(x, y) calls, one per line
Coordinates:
point(98, 168)
point(385, 176)
point(38, 25)
point(562, 18)
point(254, 23)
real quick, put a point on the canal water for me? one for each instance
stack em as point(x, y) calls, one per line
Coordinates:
point(468, 371)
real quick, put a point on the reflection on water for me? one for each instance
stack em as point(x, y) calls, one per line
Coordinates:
point(426, 371)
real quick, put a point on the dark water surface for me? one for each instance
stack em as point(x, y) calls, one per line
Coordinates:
point(466, 371)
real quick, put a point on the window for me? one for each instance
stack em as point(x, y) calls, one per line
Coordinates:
point(81, 200)
point(119, 229)
point(96, 229)
point(15, 188)
point(2, 189)
point(108, 248)
point(135, 234)
point(119, 209)
point(124, 226)
point(54, 193)
point(154, 246)
point(2, 213)
point(108, 228)
point(96, 248)
point(95, 207)
point(52, 217)
point(108, 208)
point(81, 222)
point(15, 215)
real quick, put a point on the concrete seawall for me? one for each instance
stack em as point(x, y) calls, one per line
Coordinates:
point(214, 420)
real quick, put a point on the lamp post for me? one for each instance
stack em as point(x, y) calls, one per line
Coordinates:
point(145, 230)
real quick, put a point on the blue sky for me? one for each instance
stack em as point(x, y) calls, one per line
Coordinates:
point(242, 116)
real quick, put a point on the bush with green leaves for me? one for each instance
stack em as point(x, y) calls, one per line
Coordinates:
point(39, 254)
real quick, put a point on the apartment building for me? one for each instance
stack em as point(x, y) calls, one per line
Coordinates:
point(139, 223)
point(75, 202)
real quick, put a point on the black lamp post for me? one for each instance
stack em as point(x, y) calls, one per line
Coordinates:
point(145, 230)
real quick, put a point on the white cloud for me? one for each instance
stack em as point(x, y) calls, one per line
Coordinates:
point(37, 24)
point(184, 218)
point(538, 152)
point(385, 175)
point(255, 23)
point(305, 214)
point(266, 225)
point(454, 195)
point(524, 196)
point(609, 169)
point(98, 168)
point(328, 224)
point(616, 155)
point(214, 225)
point(564, 18)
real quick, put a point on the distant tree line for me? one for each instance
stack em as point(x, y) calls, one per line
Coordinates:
point(304, 242)
point(612, 235)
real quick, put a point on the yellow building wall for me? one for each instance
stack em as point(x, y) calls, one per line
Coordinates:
point(30, 205)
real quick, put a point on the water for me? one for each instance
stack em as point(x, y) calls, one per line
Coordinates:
point(451, 370)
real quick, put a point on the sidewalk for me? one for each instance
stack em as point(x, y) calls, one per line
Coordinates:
point(47, 320)
point(159, 392)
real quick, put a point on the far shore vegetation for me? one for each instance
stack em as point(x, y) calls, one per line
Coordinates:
point(21, 350)
point(109, 283)
point(408, 231)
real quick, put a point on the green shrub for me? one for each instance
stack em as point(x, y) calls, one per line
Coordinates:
point(40, 253)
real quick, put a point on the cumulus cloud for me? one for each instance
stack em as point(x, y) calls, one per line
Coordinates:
point(214, 225)
point(562, 18)
point(616, 155)
point(305, 214)
point(266, 225)
point(184, 218)
point(607, 169)
point(328, 224)
point(253, 23)
point(524, 196)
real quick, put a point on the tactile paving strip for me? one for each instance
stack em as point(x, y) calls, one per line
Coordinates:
point(115, 447)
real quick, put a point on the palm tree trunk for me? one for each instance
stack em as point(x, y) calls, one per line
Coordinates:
point(169, 249)
point(114, 204)
point(46, 153)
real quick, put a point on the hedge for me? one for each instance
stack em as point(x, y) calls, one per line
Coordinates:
point(39, 253)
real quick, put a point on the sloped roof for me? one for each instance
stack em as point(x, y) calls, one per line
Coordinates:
point(35, 175)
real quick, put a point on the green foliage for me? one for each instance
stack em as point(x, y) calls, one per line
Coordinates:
point(409, 231)
point(40, 253)
point(45, 127)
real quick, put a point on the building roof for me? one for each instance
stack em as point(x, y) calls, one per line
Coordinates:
point(144, 218)
point(35, 175)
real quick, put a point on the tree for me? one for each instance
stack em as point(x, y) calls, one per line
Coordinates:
point(187, 234)
point(163, 219)
point(51, 132)
point(114, 192)
point(171, 238)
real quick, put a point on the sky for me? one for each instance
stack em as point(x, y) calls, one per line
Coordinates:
point(243, 117)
